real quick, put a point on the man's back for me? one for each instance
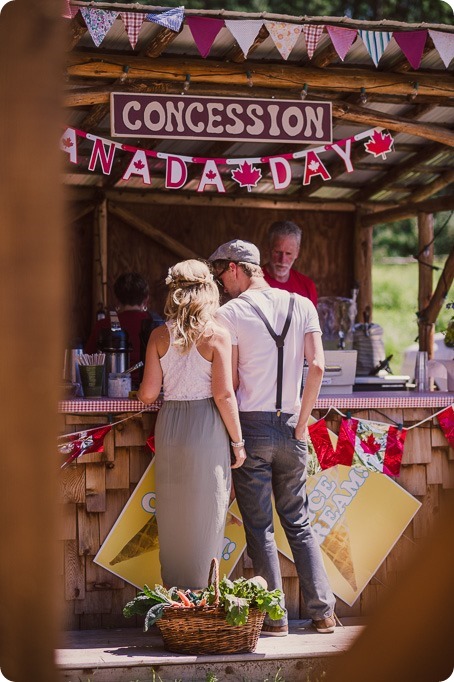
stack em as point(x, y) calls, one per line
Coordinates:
point(257, 353)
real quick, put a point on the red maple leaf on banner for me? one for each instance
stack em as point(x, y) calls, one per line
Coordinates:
point(210, 175)
point(139, 164)
point(247, 175)
point(370, 445)
point(67, 142)
point(379, 144)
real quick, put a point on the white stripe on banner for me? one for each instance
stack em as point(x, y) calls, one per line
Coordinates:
point(376, 43)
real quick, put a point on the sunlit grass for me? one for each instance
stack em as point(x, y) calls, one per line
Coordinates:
point(395, 304)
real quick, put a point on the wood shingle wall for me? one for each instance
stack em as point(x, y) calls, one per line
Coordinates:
point(95, 489)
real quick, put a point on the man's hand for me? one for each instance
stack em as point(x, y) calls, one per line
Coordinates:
point(301, 432)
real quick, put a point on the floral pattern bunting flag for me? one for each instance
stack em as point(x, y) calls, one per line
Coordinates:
point(244, 32)
point(98, 22)
point(82, 443)
point(446, 421)
point(342, 39)
point(171, 18)
point(312, 34)
point(284, 36)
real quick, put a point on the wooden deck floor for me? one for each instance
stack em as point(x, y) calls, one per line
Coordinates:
point(131, 655)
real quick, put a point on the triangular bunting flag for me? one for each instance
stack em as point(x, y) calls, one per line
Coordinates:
point(284, 36)
point(321, 442)
point(446, 421)
point(376, 43)
point(204, 32)
point(133, 23)
point(412, 45)
point(312, 33)
point(444, 43)
point(82, 443)
point(342, 39)
point(172, 18)
point(244, 32)
point(67, 10)
point(98, 22)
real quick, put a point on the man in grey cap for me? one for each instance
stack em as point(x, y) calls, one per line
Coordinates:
point(274, 420)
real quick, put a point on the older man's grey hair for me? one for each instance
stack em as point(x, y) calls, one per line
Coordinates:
point(284, 228)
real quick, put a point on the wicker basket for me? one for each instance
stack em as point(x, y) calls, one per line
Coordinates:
point(204, 630)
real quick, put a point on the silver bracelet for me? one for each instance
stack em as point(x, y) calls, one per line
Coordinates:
point(240, 444)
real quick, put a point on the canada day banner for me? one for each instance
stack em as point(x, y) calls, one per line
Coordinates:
point(246, 171)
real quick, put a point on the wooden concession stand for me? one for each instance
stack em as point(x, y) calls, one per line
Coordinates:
point(117, 225)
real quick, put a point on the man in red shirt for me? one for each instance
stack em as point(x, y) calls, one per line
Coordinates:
point(284, 245)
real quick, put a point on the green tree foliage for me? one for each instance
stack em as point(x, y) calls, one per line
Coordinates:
point(432, 11)
point(401, 238)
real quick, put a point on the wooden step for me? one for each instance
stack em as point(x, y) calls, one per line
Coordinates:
point(130, 655)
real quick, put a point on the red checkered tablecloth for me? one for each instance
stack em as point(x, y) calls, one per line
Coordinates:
point(367, 400)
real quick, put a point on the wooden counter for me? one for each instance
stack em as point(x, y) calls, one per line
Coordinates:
point(95, 488)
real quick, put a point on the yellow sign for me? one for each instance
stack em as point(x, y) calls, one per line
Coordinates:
point(131, 550)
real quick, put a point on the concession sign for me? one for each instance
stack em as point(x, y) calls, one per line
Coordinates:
point(220, 118)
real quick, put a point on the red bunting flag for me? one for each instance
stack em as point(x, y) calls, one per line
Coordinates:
point(376, 446)
point(82, 443)
point(149, 443)
point(446, 421)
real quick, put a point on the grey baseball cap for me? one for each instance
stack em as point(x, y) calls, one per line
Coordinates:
point(237, 251)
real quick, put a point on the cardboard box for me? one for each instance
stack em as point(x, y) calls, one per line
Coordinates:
point(340, 370)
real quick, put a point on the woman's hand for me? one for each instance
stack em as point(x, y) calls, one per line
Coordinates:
point(240, 456)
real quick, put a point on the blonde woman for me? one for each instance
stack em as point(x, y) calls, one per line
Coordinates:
point(190, 356)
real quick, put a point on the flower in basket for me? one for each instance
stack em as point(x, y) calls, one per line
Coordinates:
point(236, 597)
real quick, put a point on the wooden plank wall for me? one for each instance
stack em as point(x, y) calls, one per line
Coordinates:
point(94, 490)
point(326, 251)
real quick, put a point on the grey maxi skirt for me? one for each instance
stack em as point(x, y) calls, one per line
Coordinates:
point(193, 477)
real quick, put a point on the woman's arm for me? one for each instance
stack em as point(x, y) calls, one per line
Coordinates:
point(223, 393)
point(151, 384)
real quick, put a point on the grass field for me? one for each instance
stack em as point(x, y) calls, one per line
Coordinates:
point(395, 303)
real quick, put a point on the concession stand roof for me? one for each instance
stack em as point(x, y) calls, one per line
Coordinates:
point(415, 106)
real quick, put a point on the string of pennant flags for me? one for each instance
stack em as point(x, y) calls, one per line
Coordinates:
point(204, 31)
point(377, 142)
point(377, 446)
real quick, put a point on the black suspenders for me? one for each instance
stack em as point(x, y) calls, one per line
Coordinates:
point(279, 341)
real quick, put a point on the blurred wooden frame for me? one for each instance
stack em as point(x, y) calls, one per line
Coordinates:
point(32, 304)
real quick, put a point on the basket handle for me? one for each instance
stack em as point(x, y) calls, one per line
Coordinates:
point(214, 569)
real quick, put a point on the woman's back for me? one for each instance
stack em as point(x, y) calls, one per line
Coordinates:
point(186, 376)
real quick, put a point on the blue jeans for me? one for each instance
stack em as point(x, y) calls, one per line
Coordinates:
point(276, 463)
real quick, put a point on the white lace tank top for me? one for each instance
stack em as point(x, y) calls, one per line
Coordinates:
point(186, 376)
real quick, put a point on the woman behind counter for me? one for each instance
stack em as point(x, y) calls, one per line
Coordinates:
point(191, 358)
point(131, 292)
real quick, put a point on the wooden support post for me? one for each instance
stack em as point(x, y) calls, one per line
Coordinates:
point(363, 266)
point(425, 281)
point(100, 257)
point(33, 298)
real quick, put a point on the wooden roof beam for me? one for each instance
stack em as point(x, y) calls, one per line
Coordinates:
point(408, 210)
point(159, 42)
point(285, 77)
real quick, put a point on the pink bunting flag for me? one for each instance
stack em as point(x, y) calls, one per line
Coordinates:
point(342, 39)
point(133, 23)
point(446, 421)
point(444, 44)
point(204, 31)
point(312, 34)
point(284, 36)
point(412, 45)
point(82, 443)
point(67, 10)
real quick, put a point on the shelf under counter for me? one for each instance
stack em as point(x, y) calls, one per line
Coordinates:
point(356, 400)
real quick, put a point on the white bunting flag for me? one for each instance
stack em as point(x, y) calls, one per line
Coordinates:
point(244, 32)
